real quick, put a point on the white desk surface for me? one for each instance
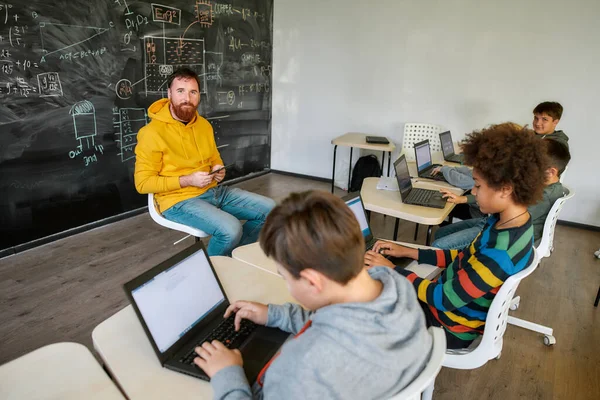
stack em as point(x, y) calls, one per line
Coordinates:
point(389, 202)
point(58, 371)
point(253, 255)
point(359, 140)
point(124, 347)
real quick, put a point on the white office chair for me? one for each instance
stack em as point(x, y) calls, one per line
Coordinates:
point(159, 219)
point(416, 132)
point(422, 386)
point(544, 249)
point(490, 345)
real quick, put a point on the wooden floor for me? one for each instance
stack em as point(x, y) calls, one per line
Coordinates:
point(62, 290)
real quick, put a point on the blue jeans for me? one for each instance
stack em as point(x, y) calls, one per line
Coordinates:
point(218, 212)
point(458, 235)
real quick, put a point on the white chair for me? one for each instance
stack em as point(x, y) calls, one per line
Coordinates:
point(490, 345)
point(544, 249)
point(422, 386)
point(415, 133)
point(159, 219)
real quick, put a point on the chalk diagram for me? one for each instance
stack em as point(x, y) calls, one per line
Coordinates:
point(163, 55)
point(84, 123)
point(126, 123)
point(53, 30)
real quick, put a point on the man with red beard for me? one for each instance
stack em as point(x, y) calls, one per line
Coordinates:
point(176, 156)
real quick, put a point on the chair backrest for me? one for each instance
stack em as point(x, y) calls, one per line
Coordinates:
point(490, 345)
point(415, 133)
point(159, 219)
point(546, 245)
point(427, 377)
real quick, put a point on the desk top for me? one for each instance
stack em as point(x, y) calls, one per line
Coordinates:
point(389, 202)
point(127, 353)
point(253, 255)
point(359, 140)
point(57, 371)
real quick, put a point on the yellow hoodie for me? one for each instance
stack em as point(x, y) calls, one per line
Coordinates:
point(167, 149)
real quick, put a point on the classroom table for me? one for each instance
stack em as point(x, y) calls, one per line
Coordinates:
point(128, 355)
point(389, 202)
point(253, 255)
point(359, 140)
point(58, 371)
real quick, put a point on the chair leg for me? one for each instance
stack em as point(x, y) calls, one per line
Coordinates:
point(428, 392)
point(597, 298)
point(545, 330)
point(197, 239)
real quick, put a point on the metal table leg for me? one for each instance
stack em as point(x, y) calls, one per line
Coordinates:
point(428, 240)
point(416, 231)
point(333, 172)
point(389, 162)
point(349, 169)
point(396, 229)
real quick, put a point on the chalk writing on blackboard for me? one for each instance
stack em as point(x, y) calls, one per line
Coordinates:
point(126, 123)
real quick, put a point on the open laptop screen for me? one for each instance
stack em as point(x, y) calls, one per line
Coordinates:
point(423, 156)
point(447, 145)
point(176, 299)
point(403, 176)
point(357, 208)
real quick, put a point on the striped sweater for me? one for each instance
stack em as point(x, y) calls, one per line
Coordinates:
point(461, 296)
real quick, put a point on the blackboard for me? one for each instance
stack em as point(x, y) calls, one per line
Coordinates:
point(76, 80)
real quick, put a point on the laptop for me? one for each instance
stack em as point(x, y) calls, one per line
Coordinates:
point(180, 304)
point(354, 201)
point(414, 196)
point(377, 140)
point(448, 148)
point(424, 165)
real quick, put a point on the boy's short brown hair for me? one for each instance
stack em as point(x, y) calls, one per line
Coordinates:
point(507, 154)
point(316, 230)
point(558, 155)
point(552, 108)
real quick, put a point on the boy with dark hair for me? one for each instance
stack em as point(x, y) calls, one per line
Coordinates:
point(546, 116)
point(509, 165)
point(363, 335)
point(461, 234)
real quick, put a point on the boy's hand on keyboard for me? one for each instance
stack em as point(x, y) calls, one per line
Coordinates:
point(373, 259)
point(255, 312)
point(452, 197)
point(214, 356)
point(436, 171)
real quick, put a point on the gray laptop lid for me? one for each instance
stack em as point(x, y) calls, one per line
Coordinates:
point(358, 208)
point(403, 176)
point(447, 145)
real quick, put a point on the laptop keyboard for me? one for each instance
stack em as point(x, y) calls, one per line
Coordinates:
point(420, 196)
point(226, 334)
point(371, 244)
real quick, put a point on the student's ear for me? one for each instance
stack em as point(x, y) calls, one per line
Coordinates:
point(506, 191)
point(555, 122)
point(315, 279)
point(552, 172)
point(169, 93)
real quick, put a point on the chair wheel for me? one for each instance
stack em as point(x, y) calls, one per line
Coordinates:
point(498, 356)
point(514, 307)
point(549, 340)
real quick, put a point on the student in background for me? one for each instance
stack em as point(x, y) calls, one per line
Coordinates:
point(362, 334)
point(546, 116)
point(461, 234)
point(460, 298)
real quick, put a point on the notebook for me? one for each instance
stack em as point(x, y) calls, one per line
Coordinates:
point(180, 304)
point(377, 140)
point(448, 148)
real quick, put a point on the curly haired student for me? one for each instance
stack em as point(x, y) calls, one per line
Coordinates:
point(509, 165)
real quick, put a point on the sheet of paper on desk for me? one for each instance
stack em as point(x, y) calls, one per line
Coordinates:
point(426, 271)
point(385, 183)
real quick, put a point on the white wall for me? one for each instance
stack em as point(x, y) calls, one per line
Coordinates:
point(350, 65)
